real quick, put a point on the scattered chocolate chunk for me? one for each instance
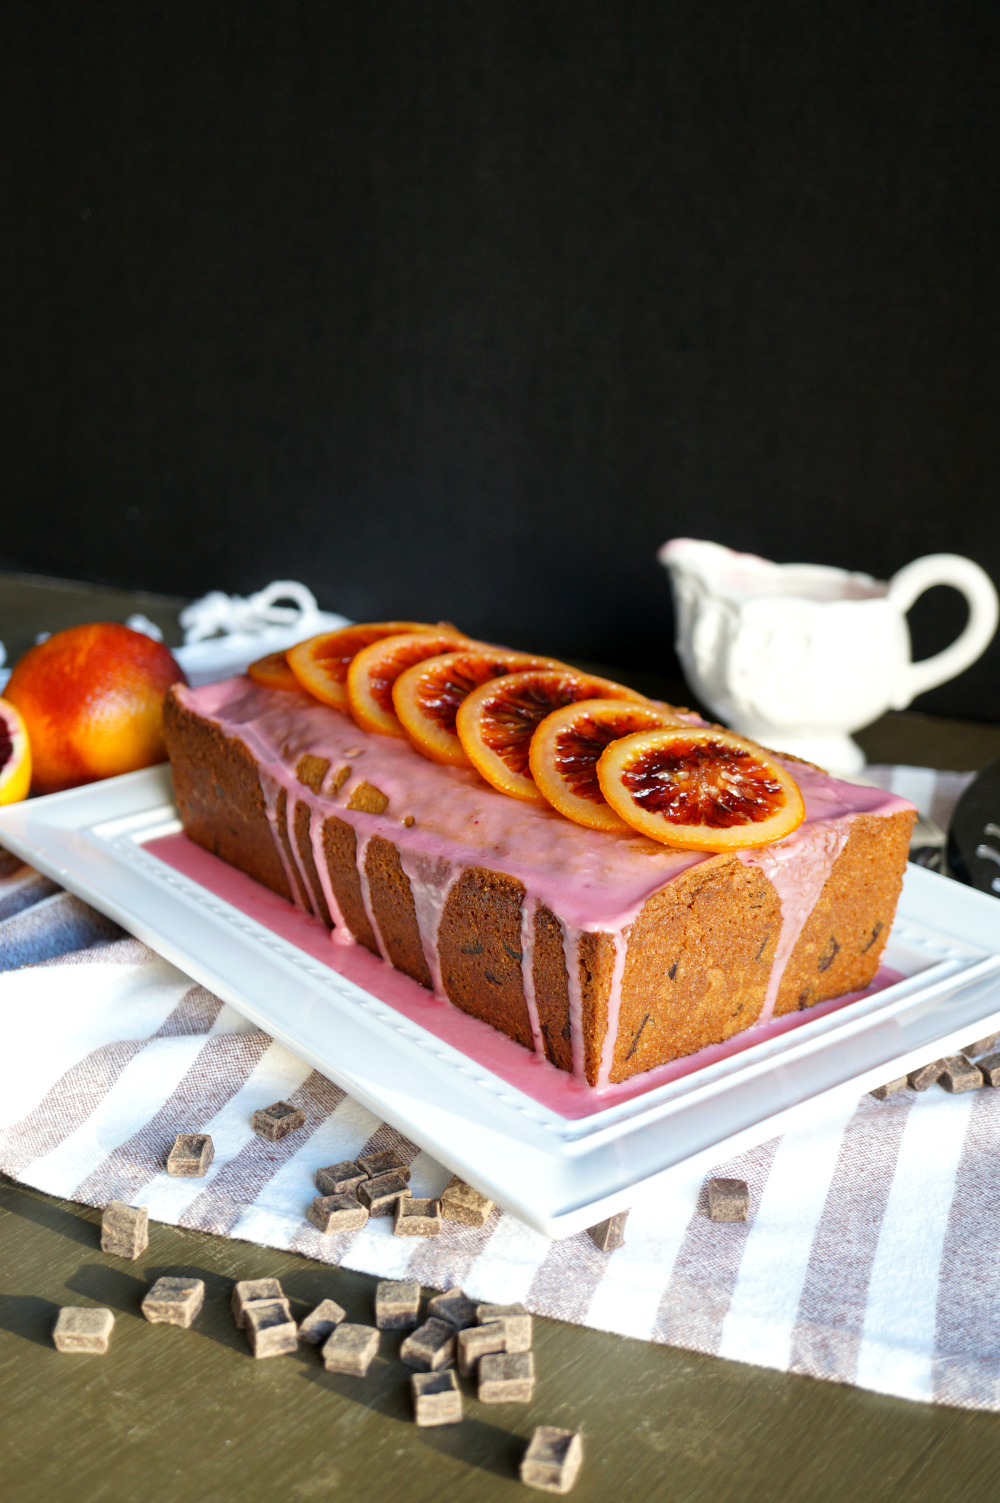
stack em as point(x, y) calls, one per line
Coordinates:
point(83, 1329)
point(191, 1155)
point(890, 1088)
point(989, 1068)
point(610, 1234)
point(417, 1218)
point(317, 1326)
point(312, 770)
point(381, 1193)
point(387, 1161)
point(340, 777)
point(340, 1179)
point(368, 799)
point(174, 1302)
point(728, 1200)
point(124, 1229)
point(437, 1399)
point(253, 1292)
point(552, 1460)
point(506, 1377)
point(959, 1074)
point(397, 1305)
point(460, 1202)
point(926, 1075)
point(337, 1213)
point(430, 1347)
point(455, 1307)
point(350, 1349)
point(478, 1341)
point(276, 1121)
point(516, 1323)
point(409, 821)
point(981, 1046)
point(270, 1329)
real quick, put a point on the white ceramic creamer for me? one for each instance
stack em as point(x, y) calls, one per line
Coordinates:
point(799, 655)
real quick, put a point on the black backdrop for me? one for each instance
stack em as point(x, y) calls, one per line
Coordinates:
point(461, 309)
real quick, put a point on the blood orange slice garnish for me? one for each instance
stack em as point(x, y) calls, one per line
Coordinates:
point(427, 696)
point(15, 755)
point(700, 789)
point(496, 722)
point(273, 672)
point(568, 745)
point(321, 663)
point(374, 671)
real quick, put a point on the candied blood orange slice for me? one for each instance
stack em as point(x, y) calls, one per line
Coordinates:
point(320, 663)
point(700, 789)
point(427, 696)
point(568, 745)
point(496, 722)
point(373, 672)
point(273, 672)
point(15, 755)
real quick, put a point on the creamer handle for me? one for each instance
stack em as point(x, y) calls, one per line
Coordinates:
point(984, 611)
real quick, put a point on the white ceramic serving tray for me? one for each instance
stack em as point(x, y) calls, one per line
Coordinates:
point(556, 1174)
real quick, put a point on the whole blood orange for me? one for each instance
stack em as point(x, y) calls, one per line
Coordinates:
point(92, 701)
point(496, 722)
point(700, 789)
point(320, 663)
point(568, 745)
point(15, 756)
point(427, 696)
point(273, 672)
point(374, 671)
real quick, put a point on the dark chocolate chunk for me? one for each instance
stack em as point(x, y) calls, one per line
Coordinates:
point(270, 1329)
point(890, 1088)
point(174, 1302)
point(250, 1292)
point(552, 1460)
point(989, 1068)
point(728, 1200)
point(981, 1046)
point(430, 1347)
point(437, 1399)
point(607, 1235)
point(311, 770)
point(381, 1193)
point(455, 1307)
point(417, 1218)
point(516, 1323)
point(368, 799)
point(460, 1202)
point(340, 1179)
point(124, 1229)
point(477, 1341)
point(397, 1305)
point(191, 1155)
point(318, 1325)
point(337, 1213)
point(350, 1349)
point(926, 1075)
point(386, 1161)
point(960, 1075)
point(506, 1377)
point(276, 1121)
point(83, 1328)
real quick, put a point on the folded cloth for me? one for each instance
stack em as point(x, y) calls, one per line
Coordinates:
point(869, 1257)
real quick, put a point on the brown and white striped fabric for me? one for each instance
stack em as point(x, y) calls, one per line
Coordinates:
point(869, 1258)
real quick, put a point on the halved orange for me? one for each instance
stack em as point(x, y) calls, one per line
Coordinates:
point(704, 790)
point(568, 744)
point(376, 668)
point(496, 722)
point(427, 696)
point(320, 663)
point(15, 755)
point(273, 672)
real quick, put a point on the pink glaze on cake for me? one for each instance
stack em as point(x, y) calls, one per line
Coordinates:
point(592, 882)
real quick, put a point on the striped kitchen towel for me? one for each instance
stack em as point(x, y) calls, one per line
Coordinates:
point(869, 1257)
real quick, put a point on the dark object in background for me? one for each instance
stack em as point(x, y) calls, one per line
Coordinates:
point(973, 853)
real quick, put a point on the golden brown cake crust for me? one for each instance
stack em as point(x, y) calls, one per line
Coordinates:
point(479, 943)
point(394, 910)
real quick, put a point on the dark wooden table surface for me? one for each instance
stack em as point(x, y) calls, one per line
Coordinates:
point(172, 1416)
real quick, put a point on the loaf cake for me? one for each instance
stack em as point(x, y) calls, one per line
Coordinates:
point(608, 954)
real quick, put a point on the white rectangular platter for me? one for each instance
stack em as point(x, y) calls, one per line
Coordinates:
point(558, 1175)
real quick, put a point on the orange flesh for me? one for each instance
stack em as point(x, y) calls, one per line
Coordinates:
point(427, 696)
point(579, 748)
point(322, 663)
point(15, 756)
point(375, 669)
point(567, 746)
point(273, 672)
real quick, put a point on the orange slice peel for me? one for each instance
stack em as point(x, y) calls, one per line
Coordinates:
point(700, 789)
point(321, 663)
point(374, 671)
point(568, 745)
point(427, 696)
point(15, 755)
point(273, 672)
point(496, 722)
